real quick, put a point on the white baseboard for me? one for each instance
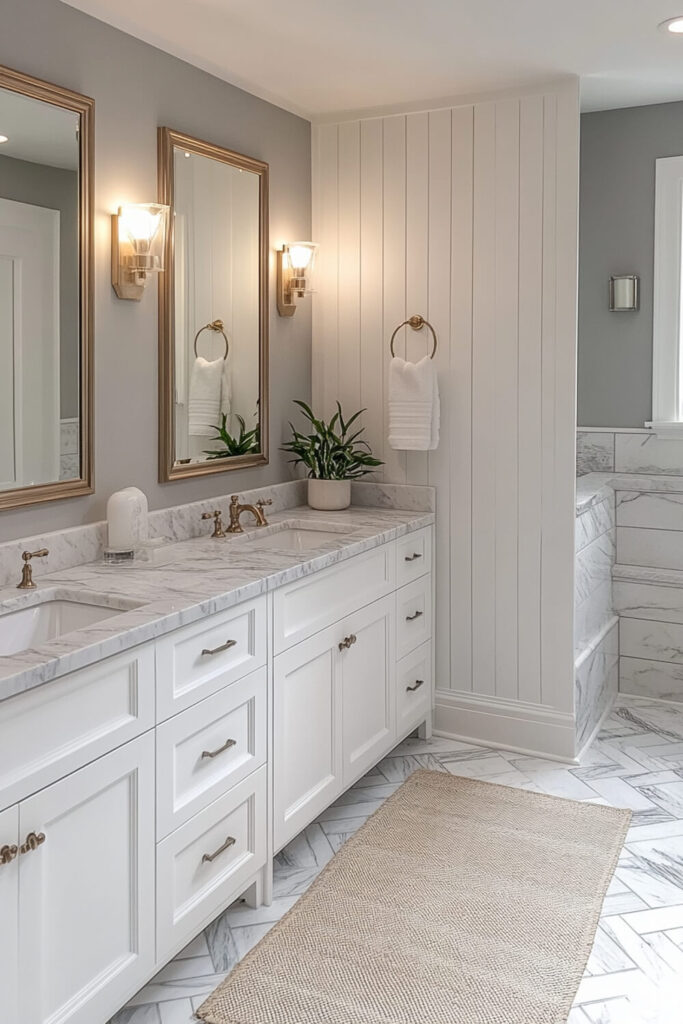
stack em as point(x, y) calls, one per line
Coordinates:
point(514, 725)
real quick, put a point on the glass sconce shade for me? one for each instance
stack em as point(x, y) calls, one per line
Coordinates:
point(142, 236)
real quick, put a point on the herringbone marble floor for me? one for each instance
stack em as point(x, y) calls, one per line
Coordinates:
point(635, 974)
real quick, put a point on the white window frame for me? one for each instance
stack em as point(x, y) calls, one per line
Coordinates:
point(667, 332)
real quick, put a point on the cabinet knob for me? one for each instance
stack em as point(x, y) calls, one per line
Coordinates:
point(411, 558)
point(208, 857)
point(416, 685)
point(348, 641)
point(32, 842)
point(8, 853)
point(217, 650)
point(214, 753)
point(415, 615)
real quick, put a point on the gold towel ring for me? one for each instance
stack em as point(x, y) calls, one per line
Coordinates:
point(417, 322)
point(217, 326)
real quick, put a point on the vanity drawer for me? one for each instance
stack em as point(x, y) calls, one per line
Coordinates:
point(413, 615)
point(413, 556)
point(212, 746)
point(197, 660)
point(308, 605)
point(414, 682)
point(206, 863)
point(57, 727)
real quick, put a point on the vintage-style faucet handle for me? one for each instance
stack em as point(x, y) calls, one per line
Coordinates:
point(27, 572)
point(217, 517)
point(260, 505)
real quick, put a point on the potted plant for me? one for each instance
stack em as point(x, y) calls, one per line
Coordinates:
point(332, 457)
point(244, 443)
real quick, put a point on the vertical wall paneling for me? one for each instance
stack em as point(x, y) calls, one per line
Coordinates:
point(326, 230)
point(506, 393)
point(417, 259)
point(529, 413)
point(459, 469)
point(348, 347)
point(394, 269)
point(438, 311)
point(483, 404)
point(469, 216)
point(371, 279)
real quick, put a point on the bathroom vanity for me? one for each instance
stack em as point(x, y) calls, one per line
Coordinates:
point(153, 762)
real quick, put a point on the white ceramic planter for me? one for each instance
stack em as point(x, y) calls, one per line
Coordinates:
point(329, 495)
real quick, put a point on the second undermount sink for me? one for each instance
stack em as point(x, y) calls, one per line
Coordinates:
point(299, 536)
point(44, 620)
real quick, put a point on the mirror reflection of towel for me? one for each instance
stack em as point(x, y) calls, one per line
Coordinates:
point(205, 396)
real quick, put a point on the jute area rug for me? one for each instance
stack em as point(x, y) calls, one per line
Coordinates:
point(458, 902)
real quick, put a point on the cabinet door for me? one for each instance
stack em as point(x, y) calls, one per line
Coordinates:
point(86, 939)
point(366, 669)
point(307, 733)
point(9, 914)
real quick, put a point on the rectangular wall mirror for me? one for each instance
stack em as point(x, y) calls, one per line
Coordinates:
point(45, 291)
point(213, 309)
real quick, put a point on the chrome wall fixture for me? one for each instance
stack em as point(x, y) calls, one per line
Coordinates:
point(624, 293)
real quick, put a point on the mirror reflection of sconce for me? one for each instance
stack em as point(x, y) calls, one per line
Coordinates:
point(624, 293)
point(138, 243)
point(295, 263)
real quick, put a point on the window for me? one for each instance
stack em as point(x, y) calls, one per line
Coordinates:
point(667, 365)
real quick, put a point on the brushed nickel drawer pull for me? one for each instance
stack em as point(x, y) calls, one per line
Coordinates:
point(348, 641)
point(415, 615)
point(418, 684)
point(8, 853)
point(208, 857)
point(223, 647)
point(411, 558)
point(32, 842)
point(215, 753)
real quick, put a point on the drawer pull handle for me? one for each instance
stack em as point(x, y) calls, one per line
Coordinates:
point(415, 615)
point(411, 558)
point(416, 686)
point(32, 842)
point(348, 641)
point(215, 753)
point(208, 857)
point(8, 853)
point(223, 647)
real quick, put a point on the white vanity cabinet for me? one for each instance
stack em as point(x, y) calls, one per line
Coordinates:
point(142, 795)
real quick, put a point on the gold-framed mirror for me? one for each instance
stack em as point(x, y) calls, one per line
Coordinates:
point(46, 303)
point(213, 309)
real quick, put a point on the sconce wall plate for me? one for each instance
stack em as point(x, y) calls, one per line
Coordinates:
point(293, 279)
point(138, 242)
point(624, 293)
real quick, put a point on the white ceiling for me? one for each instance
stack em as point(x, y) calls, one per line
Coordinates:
point(37, 131)
point(318, 57)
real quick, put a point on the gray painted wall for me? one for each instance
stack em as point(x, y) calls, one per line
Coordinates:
point(136, 88)
point(57, 189)
point(618, 153)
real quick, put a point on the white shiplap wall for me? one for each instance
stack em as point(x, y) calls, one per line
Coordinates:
point(469, 216)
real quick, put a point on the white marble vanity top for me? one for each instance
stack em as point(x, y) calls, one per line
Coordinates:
point(204, 576)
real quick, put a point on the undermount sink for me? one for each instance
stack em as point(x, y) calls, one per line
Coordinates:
point(37, 623)
point(299, 537)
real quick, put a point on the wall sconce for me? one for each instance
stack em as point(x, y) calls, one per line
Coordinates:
point(295, 263)
point(624, 293)
point(138, 244)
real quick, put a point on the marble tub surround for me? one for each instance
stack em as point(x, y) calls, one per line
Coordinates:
point(594, 452)
point(596, 681)
point(627, 451)
point(206, 576)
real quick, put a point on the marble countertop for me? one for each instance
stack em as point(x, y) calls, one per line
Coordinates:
point(205, 576)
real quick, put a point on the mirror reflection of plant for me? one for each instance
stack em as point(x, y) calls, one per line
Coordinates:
point(245, 443)
point(331, 452)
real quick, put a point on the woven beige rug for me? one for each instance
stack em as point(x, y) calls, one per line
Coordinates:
point(458, 902)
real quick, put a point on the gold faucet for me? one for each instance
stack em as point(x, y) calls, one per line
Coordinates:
point(27, 571)
point(256, 510)
point(217, 517)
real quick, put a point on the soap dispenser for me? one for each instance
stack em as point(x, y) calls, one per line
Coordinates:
point(126, 524)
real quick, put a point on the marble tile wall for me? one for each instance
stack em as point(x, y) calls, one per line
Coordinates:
point(594, 452)
point(69, 444)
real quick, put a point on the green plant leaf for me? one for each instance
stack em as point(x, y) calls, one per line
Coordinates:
point(329, 453)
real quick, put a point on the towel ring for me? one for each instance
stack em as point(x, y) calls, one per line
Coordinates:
point(217, 326)
point(417, 322)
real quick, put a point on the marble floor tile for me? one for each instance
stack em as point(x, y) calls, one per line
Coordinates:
point(635, 972)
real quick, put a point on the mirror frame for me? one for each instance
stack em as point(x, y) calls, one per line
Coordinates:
point(84, 106)
point(168, 468)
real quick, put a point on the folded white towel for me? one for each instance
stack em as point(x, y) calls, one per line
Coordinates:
point(414, 410)
point(205, 396)
point(226, 389)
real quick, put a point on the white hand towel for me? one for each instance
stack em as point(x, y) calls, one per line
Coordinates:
point(205, 397)
point(414, 410)
point(226, 389)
